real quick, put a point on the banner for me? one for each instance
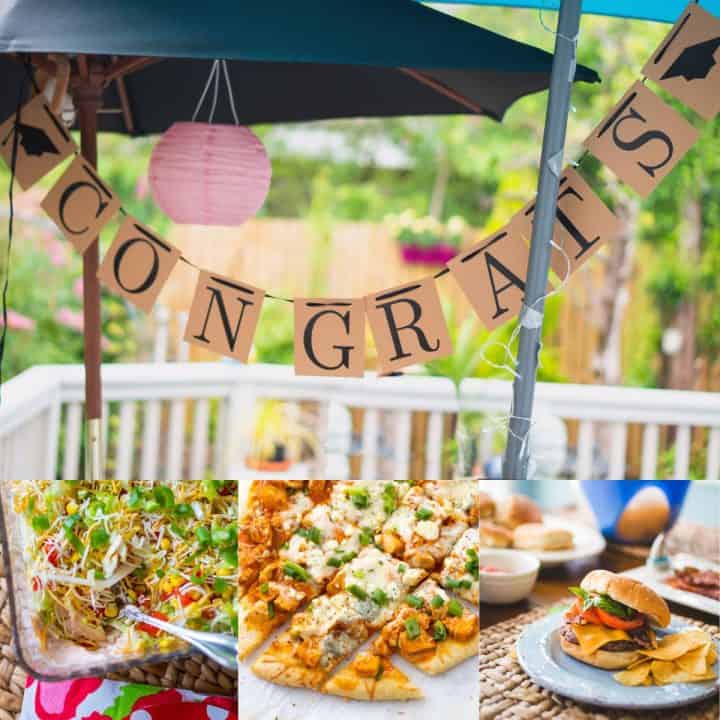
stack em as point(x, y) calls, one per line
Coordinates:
point(641, 140)
point(329, 337)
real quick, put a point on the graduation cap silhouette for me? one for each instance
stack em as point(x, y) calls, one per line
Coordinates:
point(35, 141)
point(694, 62)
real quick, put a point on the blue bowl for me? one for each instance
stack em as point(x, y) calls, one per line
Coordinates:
point(635, 511)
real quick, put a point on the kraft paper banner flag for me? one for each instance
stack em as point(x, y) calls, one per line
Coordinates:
point(492, 276)
point(223, 315)
point(583, 223)
point(138, 264)
point(687, 63)
point(81, 204)
point(642, 139)
point(43, 142)
point(408, 325)
point(329, 337)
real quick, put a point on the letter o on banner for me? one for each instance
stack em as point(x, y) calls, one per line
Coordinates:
point(138, 264)
point(329, 337)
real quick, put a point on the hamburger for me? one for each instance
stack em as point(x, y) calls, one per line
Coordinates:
point(612, 620)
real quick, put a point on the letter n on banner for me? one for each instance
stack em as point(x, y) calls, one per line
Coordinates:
point(642, 139)
point(138, 264)
point(492, 276)
point(583, 223)
point(408, 325)
point(329, 337)
point(80, 204)
point(42, 144)
point(223, 315)
point(687, 63)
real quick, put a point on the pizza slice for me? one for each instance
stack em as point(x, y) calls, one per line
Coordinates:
point(360, 599)
point(274, 510)
point(366, 503)
point(463, 495)
point(431, 630)
point(422, 530)
point(461, 571)
point(372, 677)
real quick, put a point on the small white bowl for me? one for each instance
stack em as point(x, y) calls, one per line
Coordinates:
point(515, 582)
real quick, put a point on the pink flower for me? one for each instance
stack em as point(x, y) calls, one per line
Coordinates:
point(69, 318)
point(57, 252)
point(78, 287)
point(16, 321)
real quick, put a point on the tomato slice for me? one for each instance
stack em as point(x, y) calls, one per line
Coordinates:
point(149, 629)
point(612, 621)
point(52, 552)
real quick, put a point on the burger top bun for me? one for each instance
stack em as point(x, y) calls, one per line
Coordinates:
point(485, 504)
point(518, 510)
point(629, 592)
point(601, 658)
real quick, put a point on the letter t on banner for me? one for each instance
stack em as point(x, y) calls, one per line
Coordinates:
point(329, 337)
point(408, 325)
point(224, 315)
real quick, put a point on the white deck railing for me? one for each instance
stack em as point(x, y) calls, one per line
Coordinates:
point(185, 420)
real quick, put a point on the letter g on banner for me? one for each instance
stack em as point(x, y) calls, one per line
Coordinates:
point(330, 337)
point(138, 264)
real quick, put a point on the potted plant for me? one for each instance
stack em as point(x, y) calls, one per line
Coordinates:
point(427, 240)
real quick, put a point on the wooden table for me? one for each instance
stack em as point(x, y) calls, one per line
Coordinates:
point(552, 585)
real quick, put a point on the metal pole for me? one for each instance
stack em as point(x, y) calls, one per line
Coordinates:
point(87, 93)
point(515, 466)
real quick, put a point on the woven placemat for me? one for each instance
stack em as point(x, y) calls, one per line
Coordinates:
point(195, 673)
point(506, 692)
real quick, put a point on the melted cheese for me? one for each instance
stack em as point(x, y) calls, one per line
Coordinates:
point(593, 637)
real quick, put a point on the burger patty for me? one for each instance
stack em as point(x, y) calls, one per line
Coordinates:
point(641, 638)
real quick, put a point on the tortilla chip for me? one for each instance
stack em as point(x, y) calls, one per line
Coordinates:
point(639, 675)
point(674, 646)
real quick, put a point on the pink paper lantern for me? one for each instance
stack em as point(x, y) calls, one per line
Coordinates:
point(205, 174)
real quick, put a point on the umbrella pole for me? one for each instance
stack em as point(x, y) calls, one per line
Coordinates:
point(87, 96)
point(515, 465)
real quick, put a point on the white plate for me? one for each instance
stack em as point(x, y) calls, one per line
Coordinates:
point(587, 542)
point(542, 658)
point(655, 579)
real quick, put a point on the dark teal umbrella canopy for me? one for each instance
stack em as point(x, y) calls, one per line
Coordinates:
point(288, 61)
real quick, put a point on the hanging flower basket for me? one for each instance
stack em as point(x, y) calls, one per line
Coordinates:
point(426, 240)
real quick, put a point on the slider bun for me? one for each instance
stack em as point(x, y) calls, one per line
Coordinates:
point(535, 536)
point(601, 658)
point(495, 536)
point(629, 592)
point(518, 510)
point(485, 505)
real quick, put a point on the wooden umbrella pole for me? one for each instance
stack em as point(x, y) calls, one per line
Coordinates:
point(87, 93)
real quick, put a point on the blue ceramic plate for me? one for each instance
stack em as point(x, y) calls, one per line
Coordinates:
point(543, 660)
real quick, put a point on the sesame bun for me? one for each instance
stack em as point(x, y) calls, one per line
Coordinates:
point(518, 510)
point(536, 536)
point(629, 592)
point(601, 658)
point(485, 505)
point(495, 536)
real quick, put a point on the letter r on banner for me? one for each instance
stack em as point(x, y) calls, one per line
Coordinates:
point(223, 315)
point(329, 337)
point(408, 325)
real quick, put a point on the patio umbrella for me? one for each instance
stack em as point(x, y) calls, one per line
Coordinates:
point(137, 67)
point(515, 465)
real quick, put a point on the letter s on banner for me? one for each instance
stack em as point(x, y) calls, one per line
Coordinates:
point(330, 337)
point(223, 315)
point(408, 325)
point(138, 264)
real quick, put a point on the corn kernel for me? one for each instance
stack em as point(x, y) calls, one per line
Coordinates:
point(224, 571)
point(71, 508)
point(165, 643)
point(111, 610)
point(165, 544)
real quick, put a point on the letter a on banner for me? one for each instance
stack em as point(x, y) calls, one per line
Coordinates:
point(408, 325)
point(329, 337)
point(492, 276)
point(687, 63)
point(80, 204)
point(583, 223)
point(42, 142)
point(223, 315)
point(138, 264)
point(642, 139)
